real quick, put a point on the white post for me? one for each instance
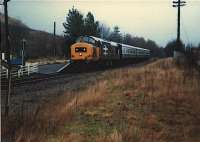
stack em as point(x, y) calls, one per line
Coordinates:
point(28, 69)
point(18, 73)
point(3, 56)
point(7, 73)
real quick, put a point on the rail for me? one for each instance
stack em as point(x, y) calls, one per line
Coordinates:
point(22, 71)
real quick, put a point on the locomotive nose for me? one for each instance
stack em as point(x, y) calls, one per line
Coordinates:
point(81, 52)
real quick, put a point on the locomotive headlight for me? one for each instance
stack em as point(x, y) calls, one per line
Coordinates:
point(80, 54)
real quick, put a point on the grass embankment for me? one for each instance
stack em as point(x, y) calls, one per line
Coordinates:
point(158, 102)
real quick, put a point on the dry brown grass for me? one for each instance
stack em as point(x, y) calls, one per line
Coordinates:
point(158, 102)
point(54, 115)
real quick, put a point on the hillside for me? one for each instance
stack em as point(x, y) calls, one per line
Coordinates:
point(12, 21)
point(158, 102)
point(39, 43)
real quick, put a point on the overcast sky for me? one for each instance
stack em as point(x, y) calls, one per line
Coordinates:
point(151, 19)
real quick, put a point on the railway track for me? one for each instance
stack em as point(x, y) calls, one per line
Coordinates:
point(39, 79)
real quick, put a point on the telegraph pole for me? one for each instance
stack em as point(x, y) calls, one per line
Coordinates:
point(178, 3)
point(8, 50)
point(54, 38)
point(0, 37)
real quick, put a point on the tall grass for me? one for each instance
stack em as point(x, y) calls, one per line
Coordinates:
point(54, 115)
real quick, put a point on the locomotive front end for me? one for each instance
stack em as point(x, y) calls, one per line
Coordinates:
point(81, 52)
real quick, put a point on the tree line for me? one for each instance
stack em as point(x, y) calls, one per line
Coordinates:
point(169, 48)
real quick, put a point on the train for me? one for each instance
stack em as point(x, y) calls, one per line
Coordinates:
point(93, 49)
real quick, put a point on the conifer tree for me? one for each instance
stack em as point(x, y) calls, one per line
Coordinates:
point(74, 27)
point(74, 24)
point(91, 26)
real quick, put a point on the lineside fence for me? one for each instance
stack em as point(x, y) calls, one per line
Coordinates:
point(22, 71)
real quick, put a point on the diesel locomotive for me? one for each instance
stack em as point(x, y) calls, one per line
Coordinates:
point(93, 49)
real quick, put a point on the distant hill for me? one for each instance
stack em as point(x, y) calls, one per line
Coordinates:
point(39, 43)
point(12, 21)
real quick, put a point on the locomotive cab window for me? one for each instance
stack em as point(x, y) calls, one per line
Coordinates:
point(80, 49)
